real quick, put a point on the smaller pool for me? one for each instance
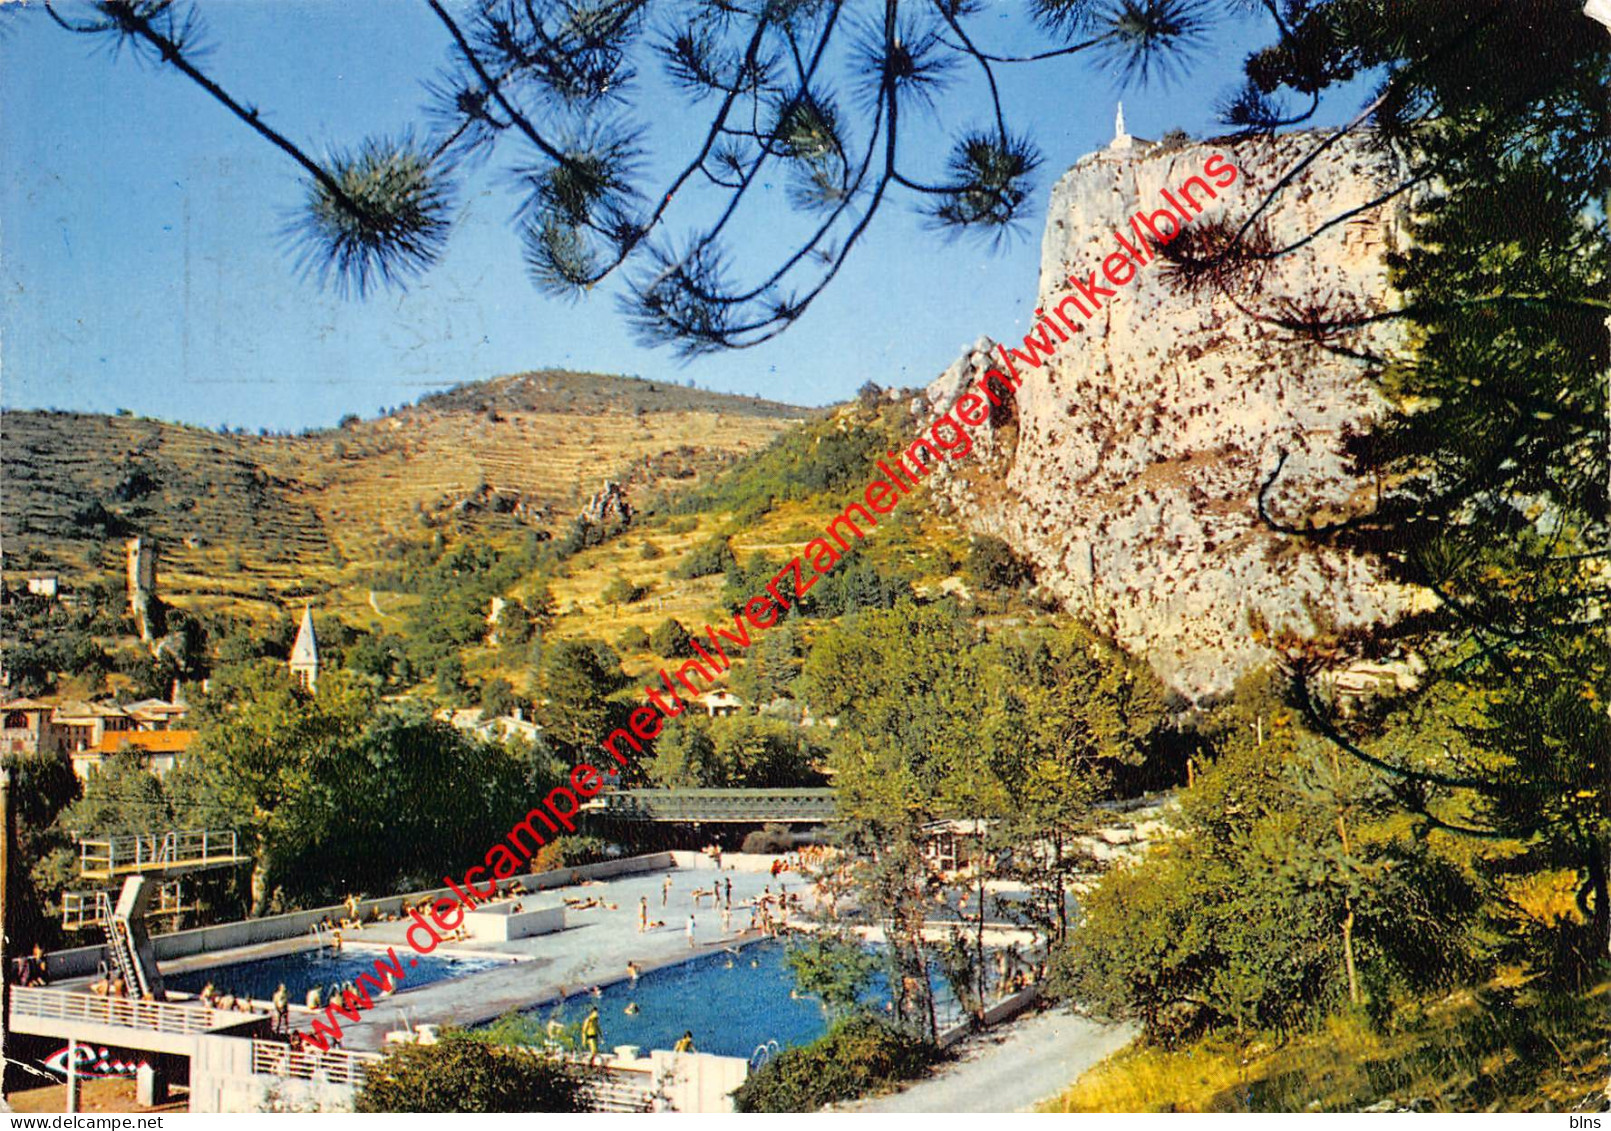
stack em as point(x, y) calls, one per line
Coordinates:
point(304, 969)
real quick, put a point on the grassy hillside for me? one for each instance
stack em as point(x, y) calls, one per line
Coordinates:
point(1500, 1048)
point(767, 504)
point(250, 521)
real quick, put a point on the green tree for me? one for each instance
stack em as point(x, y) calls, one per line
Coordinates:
point(764, 753)
point(633, 639)
point(463, 1073)
point(452, 686)
point(1493, 456)
point(714, 555)
point(41, 864)
point(621, 591)
point(671, 640)
point(685, 756)
point(516, 626)
point(773, 667)
point(901, 684)
point(386, 834)
point(990, 563)
point(276, 762)
point(1067, 711)
point(382, 656)
point(858, 1056)
point(833, 967)
point(1249, 917)
point(576, 679)
point(498, 698)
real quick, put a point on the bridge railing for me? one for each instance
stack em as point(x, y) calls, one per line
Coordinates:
point(718, 804)
point(127, 1013)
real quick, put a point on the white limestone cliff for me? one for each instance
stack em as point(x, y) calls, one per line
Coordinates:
point(1131, 468)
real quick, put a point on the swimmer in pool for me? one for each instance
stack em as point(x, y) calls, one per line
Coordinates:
point(631, 1009)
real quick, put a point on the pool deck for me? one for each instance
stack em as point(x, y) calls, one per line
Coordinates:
point(593, 949)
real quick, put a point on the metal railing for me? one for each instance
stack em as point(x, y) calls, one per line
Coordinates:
point(616, 1090)
point(105, 857)
point(84, 909)
point(152, 1016)
point(740, 805)
point(338, 1066)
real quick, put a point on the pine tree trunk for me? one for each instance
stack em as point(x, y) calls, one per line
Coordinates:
point(1600, 885)
point(1348, 951)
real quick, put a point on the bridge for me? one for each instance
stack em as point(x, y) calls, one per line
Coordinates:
point(710, 806)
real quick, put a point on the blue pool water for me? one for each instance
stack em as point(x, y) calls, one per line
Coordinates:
point(731, 1002)
point(305, 969)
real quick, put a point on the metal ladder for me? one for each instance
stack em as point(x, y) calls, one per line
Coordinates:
point(120, 946)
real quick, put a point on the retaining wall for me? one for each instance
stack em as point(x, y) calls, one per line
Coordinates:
point(80, 961)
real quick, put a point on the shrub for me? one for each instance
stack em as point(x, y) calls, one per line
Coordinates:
point(856, 1057)
point(462, 1073)
point(992, 564)
point(569, 852)
point(772, 838)
point(711, 556)
point(623, 592)
point(632, 639)
point(670, 639)
point(650, 551)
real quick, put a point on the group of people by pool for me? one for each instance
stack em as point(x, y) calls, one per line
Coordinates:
point(357, 915)
point(592, 1032)
point(30, 969)
point(769, 911)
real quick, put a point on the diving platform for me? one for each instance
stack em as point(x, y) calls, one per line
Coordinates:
point(82, 909)
point(160, 854)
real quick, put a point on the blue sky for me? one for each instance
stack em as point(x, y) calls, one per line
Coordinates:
point(145, 268)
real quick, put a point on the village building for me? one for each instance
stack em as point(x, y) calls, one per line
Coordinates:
point(496, 728)
point(162, 750)
point(73, 728)
point(160, 714)
point(26, 727)
point(720, 704)
point(84, 725)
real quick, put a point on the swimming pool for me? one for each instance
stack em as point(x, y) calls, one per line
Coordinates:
point(304, 969)
point(731, 1002)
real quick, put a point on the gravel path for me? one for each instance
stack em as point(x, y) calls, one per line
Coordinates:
point(1012, 1067)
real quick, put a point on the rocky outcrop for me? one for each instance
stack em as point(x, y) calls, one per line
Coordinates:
point(607, 504)
point(1131, 465)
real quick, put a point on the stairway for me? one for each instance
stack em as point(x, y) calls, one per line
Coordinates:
point(118, 947)
point(127, 941)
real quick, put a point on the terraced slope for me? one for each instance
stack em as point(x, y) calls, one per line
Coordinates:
point(243, 516)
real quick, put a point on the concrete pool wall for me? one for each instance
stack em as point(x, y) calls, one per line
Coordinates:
point(81, 961)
